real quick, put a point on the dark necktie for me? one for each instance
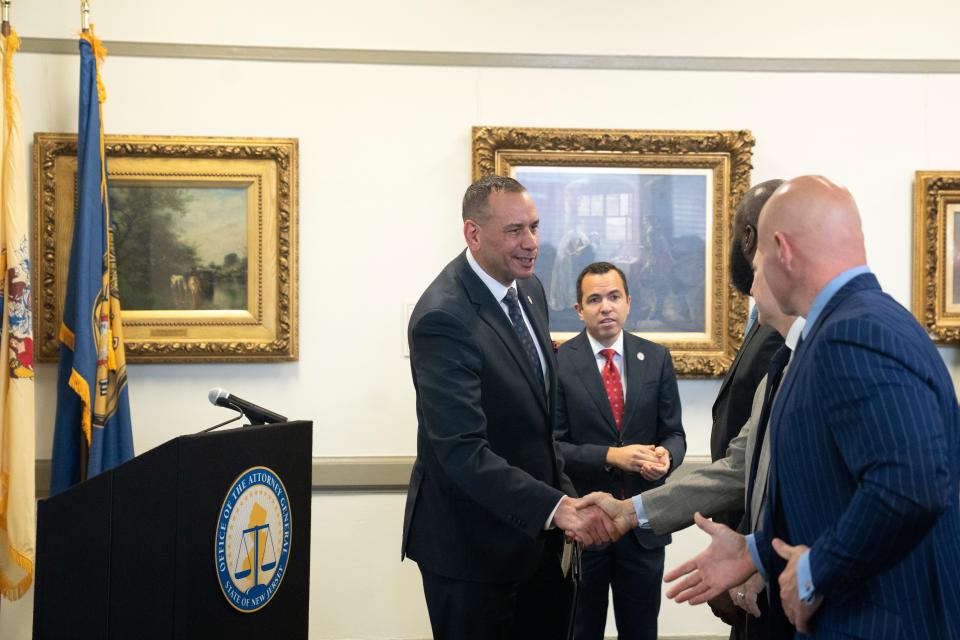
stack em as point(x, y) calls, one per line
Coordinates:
point(613, 385)
point(774, 376)
point(520, 328)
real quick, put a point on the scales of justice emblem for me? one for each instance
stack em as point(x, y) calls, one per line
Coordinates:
point(252, 541)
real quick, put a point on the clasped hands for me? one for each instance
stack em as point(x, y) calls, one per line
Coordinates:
point(651, 462)
point(726, 563)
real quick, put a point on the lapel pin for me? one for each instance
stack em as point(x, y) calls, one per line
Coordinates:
point(530, 300)
point(640, 356)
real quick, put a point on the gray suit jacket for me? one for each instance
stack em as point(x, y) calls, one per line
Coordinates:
point(717, 488)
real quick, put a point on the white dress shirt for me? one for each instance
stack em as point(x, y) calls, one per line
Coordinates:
point(617, 346)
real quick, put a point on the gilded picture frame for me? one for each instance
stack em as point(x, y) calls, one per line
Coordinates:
point(658, 204)
point(936, 254)
point(207, 228)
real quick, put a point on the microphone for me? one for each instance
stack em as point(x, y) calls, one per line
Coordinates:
point(256, 415)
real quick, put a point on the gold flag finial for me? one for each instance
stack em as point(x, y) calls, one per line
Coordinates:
point(85, 15)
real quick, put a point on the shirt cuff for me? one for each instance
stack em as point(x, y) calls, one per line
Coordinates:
point(755, 556)
point(805, 588)
point(642, 520)
point(549, 523)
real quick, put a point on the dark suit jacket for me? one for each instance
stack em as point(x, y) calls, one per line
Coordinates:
point(865, 438)
point(732, 407)
point(487, 473)
point(585, 426)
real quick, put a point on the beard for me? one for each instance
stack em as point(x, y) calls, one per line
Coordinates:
point(741, 271)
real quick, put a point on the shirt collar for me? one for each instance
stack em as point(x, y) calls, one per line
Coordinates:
point(597, 347)
point(820, 302)
point(752, 320)
point(498, 290)
point(793, 334)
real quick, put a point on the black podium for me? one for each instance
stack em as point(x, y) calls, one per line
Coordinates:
point(141, 551)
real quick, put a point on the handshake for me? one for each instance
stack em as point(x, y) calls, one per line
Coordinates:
point(597, 518)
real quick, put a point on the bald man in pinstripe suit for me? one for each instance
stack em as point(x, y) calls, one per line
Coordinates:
point(861, 524)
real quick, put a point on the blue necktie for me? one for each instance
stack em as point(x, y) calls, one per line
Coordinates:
point(520, 328)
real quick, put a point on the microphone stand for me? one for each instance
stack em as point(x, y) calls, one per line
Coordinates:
point(239, 415)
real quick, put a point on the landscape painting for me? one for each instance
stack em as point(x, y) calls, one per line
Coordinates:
point(204, 236)
point(180, 247)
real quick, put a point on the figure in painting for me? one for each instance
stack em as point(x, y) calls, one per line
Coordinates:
point(566, 267)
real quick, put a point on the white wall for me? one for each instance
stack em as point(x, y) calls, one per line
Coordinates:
point(385, 156)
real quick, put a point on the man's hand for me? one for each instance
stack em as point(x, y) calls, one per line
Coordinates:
point(745, 595)
point(798, 611)
point(721, 565)
point(620, 512)
point(655, 470)
point(632, 457)
point(584, 522)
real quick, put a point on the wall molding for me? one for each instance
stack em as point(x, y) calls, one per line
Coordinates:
point(125, 48)
point(362, 474)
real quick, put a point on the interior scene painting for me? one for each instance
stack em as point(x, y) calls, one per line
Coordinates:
point(181, 248)
point(953, 270)
point(652, 223)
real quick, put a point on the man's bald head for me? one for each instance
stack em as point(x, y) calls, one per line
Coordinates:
point(809, 232)
point(744, 242)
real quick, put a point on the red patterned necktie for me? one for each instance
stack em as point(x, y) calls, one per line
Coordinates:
point(613, 385)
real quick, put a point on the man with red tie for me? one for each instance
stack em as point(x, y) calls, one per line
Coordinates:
point(620, 432)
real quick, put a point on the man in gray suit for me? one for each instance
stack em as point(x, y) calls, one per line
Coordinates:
point(736, 481)
point(734, 399)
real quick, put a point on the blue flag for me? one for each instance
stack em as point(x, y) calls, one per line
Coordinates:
point(92, 431)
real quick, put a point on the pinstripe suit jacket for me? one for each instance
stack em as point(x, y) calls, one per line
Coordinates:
point(865, 442)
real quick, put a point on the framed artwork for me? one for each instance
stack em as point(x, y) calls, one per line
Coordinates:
point(205, 236)
point(936, 253)
point(657, 204)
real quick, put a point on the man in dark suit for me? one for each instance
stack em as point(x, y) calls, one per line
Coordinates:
point(735, 398)
point(616, 444)
point(861, 520)
point(734, 401)
point(488, 496)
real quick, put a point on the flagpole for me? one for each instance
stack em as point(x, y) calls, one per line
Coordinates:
point(5, 25)
point(84, 14)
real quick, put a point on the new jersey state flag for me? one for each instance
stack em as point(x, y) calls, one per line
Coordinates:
point(17, 432)
point(92, 431)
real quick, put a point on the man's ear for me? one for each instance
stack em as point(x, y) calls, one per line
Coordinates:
point(579, 310)
point(471, 233)
point(748, 240)
point(784, 250)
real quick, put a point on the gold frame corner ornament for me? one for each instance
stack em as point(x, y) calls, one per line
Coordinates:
point(936, 196)
point(726, 154)
point(266, 330)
